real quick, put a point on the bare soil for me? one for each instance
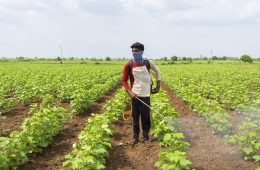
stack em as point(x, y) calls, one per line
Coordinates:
point(13, 120)
point(207, 150)
point(236, 120)
point(52, 156)
point(124, 155)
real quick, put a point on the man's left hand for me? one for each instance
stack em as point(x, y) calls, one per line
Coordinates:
point(157, 89)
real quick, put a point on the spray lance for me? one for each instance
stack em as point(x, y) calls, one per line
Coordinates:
point(171, 121)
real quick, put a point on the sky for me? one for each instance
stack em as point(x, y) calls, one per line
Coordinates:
point(100, 28)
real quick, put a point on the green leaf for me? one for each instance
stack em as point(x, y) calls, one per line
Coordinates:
point(184, 162)
point(256, 157)
point(248, 151)
point(167, 137)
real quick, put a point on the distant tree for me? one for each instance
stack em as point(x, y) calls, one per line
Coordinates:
point(108, 59)
point(184, 58)
point(224, 58)
point(174, 58)
point(214, 58)
point(246, 59)
point(205, 58)
point(165, 59)
point(60, 60)
point(21, 58)
point(3, 59)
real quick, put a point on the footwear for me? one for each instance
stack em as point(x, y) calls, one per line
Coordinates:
point(135, 141)
point(146, 140)
point(146, 136)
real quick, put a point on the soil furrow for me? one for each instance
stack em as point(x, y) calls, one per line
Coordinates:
point(124, 155)
point(236, 120)
point(207, 150)
point(13, 120)
point(52, 156)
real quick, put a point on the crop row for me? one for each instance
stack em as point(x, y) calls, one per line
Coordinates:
point(248, 138)
point(210, 91)
point(95, 139)
point(30, 84)
point(166, 129)
point(38, 130)
point(211, 110)
point(233, 87)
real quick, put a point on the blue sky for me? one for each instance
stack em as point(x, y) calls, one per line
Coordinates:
point(100, 28)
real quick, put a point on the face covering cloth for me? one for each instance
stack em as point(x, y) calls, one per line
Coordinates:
point(138, 59)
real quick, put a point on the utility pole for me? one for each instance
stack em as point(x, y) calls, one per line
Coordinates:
point(61, 54)
point(61, 51)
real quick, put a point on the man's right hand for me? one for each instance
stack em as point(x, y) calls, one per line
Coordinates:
point(131, 94)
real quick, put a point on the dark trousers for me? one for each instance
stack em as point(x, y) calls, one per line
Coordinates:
point(138, 108)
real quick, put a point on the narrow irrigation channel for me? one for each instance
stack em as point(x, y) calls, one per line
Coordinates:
point(207, 150)
point(52, 156)
point(124, 155)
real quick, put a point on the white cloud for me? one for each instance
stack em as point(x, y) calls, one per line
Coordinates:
point(171, 10)
point(252, 9)
point(147, 4)
point(217, 11)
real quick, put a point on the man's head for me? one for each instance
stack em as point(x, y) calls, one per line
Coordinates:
point(138, 50)
point(136, 47)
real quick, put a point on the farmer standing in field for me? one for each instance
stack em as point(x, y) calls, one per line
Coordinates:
point(138, 71)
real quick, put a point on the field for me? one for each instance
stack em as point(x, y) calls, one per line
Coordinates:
point(69, 116)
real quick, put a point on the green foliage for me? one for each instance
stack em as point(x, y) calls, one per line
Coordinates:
point(249, 141)
point(175, 160)
point(167, 132)
point(84, 98)
point(37, 131)
point(210, 90)
point(246, 59)
point(49, 86)
point(95, 139)
point(174, 58)
point(28, 83)
point(6, 104)
point(108, 59)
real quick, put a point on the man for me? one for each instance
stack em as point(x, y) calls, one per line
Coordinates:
point(138, 71)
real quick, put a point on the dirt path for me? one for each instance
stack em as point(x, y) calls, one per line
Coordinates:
point(51, 157)
point(124, 156)
point(207, 150)
point(13, 120)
